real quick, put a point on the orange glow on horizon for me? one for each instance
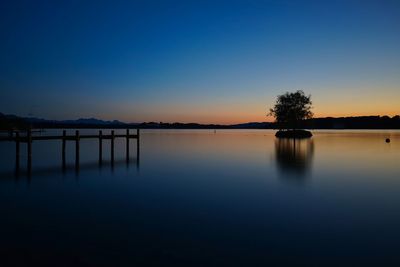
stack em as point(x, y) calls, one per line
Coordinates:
point(232, 111)
point(232, 119)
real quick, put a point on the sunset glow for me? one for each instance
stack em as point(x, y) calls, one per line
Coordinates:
point(202, 62)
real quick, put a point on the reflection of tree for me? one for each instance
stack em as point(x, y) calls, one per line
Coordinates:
point(294, 155)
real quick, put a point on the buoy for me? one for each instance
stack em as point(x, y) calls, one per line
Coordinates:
point(387, 140)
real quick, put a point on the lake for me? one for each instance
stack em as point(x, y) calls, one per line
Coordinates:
point(199, 198)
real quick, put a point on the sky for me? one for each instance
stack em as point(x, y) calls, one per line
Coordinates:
point(197, 61)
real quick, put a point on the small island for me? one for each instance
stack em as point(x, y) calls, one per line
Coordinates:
point(289, 110)
point(293, 134)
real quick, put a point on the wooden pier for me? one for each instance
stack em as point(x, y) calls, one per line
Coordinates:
point(28, 138)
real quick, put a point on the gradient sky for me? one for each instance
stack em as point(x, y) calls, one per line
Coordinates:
point(197, 61)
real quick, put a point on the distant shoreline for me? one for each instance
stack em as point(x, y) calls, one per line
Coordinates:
point(9, 122)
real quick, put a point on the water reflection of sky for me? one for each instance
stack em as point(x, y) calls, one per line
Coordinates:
point(214, 199)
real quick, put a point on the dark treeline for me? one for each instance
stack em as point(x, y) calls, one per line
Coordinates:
point(363, 122)
point(178, 125)
point(12, 122)
point(8, 122)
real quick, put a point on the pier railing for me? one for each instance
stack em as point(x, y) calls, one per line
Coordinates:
point(28, 138)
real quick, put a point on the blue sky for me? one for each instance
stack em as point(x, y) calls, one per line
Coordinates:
point(201, 61)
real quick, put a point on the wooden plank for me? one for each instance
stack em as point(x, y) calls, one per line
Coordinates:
point(23, 139)
point(28, 138)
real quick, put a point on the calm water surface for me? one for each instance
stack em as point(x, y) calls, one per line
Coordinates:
point(199, 198)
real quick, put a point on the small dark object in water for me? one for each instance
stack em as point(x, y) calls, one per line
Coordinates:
point(293, 134)
point(387, 140)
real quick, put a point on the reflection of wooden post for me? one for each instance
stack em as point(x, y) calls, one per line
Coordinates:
point(112, 147)
point(127, 145)
point(63, 148)
point(77, 149)
point(17, 152)
point(137, 144)
point(100, 147)
point(29, 145)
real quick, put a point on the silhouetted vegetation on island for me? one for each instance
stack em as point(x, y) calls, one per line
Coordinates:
point(289, 111)
point(293, 134)
point(12, 122)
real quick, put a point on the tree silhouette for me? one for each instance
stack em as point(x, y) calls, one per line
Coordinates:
point(290, 108)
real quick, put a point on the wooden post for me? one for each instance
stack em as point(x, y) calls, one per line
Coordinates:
point(17, 152)
point(77, 149)
point(63, 148)
point(138, 144)
point(112, 147)
point(100, 147)
point(127, 145)
point(29, 146)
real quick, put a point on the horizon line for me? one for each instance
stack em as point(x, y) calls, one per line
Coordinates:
point(180, 122)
